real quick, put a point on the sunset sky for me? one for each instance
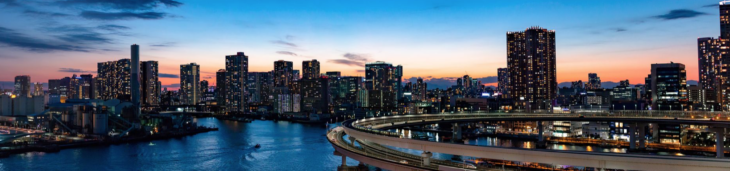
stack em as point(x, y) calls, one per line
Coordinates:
point(50, 39)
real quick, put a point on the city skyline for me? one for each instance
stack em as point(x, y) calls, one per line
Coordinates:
point(473, 45)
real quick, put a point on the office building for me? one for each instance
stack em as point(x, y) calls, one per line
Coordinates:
point(283, 73)
point(668, 86)
point(531, 63)
point(594, 82)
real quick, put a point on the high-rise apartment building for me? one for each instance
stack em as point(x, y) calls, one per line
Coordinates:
point(310, 69)
point(236, 78)
point(283, 73)
point(115, 79)
point(38, 89)
point(149, 78)
point(384, 84)
point(22, 85)
point(531, 64)
point(502, 80)
point(259, 86)
point(220, 89)
point(190, 84)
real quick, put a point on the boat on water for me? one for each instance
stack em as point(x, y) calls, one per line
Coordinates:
point(257, 146)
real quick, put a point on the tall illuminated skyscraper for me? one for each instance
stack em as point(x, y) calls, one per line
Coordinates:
point(150, 94)
point(283, 73)
point(115, 79)
point(531, 64)
point(220, 89)
point(384, 84)
point(710, 63)
point(310, 69)
point(38, 89)
point(135, 82)
point(236, 79)
point(725, 20)
point(22, 85)
point(594, 82)
point(502, 80)
point(190, 84)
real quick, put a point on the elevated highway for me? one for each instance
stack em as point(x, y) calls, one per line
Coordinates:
point(370, 130)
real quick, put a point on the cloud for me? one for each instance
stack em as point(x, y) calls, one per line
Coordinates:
point(73, 70)
point(112, 27)
point(347, 62)
point(124, 4)
point(85, 38)
point(679, 14)
point(280, 42)
point(166, 44)
point(12, 38)
point(711, 5)
point(620, 29)
point(43, 13)
point(287, 53)
point(290, 37)
point(10, 2)
point(360, 70)
point(163, 75)
point(97, 15)
point(356, 57)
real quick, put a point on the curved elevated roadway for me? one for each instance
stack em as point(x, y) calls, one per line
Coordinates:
point(368, 129)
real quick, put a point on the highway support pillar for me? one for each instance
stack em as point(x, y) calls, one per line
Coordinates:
point(456, 132)
point(426, 155)
point(719, 141)
point(540, 130)
point(344, 161)
point(352, 141)
point(655, 132)
point(642, 135)
point(632, 136)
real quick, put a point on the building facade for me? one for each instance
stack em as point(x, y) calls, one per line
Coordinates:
point(236, 78)
point(531, 63)
point(190, 84)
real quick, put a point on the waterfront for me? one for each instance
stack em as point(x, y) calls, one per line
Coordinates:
point(284, 146)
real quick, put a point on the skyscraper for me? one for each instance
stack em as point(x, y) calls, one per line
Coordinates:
point(259, 86)
point(135, 80)
point(84, 87)
point(668, 86)
point(220, 89)
point(115, 79)
point(503, 81)
point(531, 64)
point(236, 78)
point(725, 20)
point(594, 82)
point(22, 85)
point(38, 89)
point(204, 86)
point(189, 84)
point(149, 78)
point(310, 69)
point(314, 95)
point(283, 73)
point(383, 82)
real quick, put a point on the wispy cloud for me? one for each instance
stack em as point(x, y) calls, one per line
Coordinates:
point(356, 57)
point(74, 70)
point(166, 44)
point(44, 13)
point(15, 39)
point(679, 14)
point(163, 75)
point(285, 43)
point(123, 4)
point(97, 15)
point(287, 53)
point(112, 27)
point(347, 62)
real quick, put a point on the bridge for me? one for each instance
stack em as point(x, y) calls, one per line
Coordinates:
point(372, 130)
